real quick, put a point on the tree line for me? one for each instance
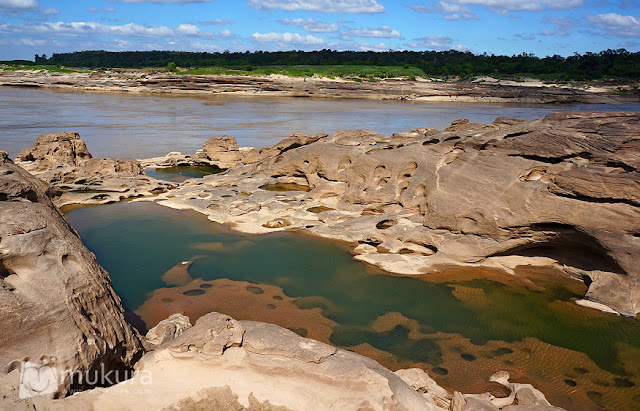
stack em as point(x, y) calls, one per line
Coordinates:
point(588, 66)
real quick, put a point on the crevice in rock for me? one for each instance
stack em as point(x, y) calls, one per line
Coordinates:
point(551, 160)
point(589, 199)
point(4, 271)
point(518, 134)
point(291, 147)
point(618, 164)
point(432, 141)
point(569, 247)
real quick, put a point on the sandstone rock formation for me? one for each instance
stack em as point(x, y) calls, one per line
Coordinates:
point(385, 89)
point(222, 151)
point(562, 191)
point(63, 160)
point(224, 364)
point(57, 305)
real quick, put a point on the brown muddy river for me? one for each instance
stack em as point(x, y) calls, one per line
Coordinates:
point(125, 125)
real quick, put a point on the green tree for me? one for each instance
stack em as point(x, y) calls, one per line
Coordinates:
point(171, 66)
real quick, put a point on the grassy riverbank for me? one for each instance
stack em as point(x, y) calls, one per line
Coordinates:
point(355, 72)
point(51, 68)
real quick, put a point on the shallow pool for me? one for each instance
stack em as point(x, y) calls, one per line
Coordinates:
point(461, 325)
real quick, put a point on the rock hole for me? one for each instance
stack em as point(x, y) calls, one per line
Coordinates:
point(617, 164)
point(193, 293)
point(384, 224)
point(255, 290)
point(302, 332)
point(623, 383)
point(468, 357)
point(4, 271)
point(370, 241)
point(344, 164)
point(379, 172)
point(440, 371)
point(432, 141)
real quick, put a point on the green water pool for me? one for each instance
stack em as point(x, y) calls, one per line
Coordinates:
point(138, 242)
point(178, 174)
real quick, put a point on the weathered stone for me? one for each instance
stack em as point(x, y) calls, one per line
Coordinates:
point(166, 330)
point(222, 151)
point(212, 334)
point(63, 160)
point(269, 339)
point(386, 89)
point(57, 305)
point(270, 364)
point(560, 192)
point(56, 149)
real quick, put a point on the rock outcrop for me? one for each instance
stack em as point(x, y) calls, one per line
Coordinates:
point(63, 160)
point(57, 305)
point(561, 191)
point(224, 364)
point(384, 89)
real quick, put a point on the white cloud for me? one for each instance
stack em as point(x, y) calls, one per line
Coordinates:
point(22, 42)
point(384, 32)
point(50, 11)
point(616, 24)
point(313, 26)
point(100, 29)
point(437, 43)
point(93, 10)
point(561, 26)
point(371, 47)
point(162, 1)
point(216, 22)
point(81, 27)
point(287, 39)
point(14, 7)
point(504, 6)
point(198, 46)
point(525, 36)
point(188, 30)
point(109, 10)
point(18, 4)
point(458, 10)
point(322, 6)
point(450, 11)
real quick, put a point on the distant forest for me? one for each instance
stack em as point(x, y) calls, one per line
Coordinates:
point(589, 66)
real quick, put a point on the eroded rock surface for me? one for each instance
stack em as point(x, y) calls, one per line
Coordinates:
point(63, 160)
point(560, 191)
point(385, 89)
point(255, 363)
point(57, 305)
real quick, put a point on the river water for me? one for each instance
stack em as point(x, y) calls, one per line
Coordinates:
point(460, 326)
point(131, 125)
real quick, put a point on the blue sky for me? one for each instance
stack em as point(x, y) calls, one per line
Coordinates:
point(542, 27)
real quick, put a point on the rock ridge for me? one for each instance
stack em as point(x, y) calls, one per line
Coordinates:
point(561, 191)
point(385, 89)
point(57, 305)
